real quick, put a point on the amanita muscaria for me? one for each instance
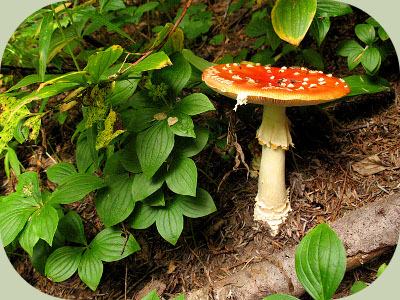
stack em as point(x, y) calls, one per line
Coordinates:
point(275, 89)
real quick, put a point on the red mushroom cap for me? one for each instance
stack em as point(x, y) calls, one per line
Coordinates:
point(269, 85)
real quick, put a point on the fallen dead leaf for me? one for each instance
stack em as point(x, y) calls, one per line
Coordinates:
point(369, 166)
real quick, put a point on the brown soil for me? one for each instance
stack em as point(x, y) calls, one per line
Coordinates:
point(319, 172)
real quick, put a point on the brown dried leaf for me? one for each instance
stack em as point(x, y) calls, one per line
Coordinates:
point(369, 166)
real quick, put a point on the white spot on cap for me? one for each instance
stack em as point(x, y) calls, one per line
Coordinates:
point(258, 64)
point(321, 79)
point(290, 85)
point(241, 99)
point(251, 80)
point(342, 80)
point(322, 82)
point(346, 86)
point(272, 77)
point(236, 77)
point(230, 71)
point(224, 68)
point(267, 68)
point(249, 66)
point(337, 82)
point(283, 68)
point(228, 65)
point(297, 73)
point(329, 75)
point(300, 88)
point(305, 79)
point(283, 84)
point(320, 72)
point(236, 64)
point(312, 85)
point(304, 83)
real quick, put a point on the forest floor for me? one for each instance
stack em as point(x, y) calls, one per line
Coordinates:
point(345, 157)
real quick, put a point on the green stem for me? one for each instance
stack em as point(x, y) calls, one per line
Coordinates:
point(65, 39)
point(75, 27)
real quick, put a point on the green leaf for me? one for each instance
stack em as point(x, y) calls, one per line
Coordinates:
point(280, 297)
point(357, 286)
point(100, 61)
point(198, 62)
point(366, 33)
point(13, 216)
point(364, 84)
point(28, 185)
point(195, 207)
point(154, 61)
point(156, 199)
point(162, 35)
point(75, 188)
point(90, 269)
point(320, 262)
point(130, 160)
point(28, 238)
point(354, 59)
point(85, 156)
point(291, 20)
point(111, 5)
point(123, 90)
point(44, 222)
point(142, 187)
point(143, 216)
point(194, 104)
point(114, 203)
point(39, 256)
point(154, 146)
point(46, 30)
point(142, 9)
point(109, 244)
point(104, 22)
point(319, 28)
point(256, 27)
point(181, 177)
point(14, 162)
point(30, 79)
point(169, 223)
point(189, 147)
point(181, 124)
point(371, 60)
point(381, 269)
point(59, 172)
point(175, 76)
point(313, 57)
point(63, 263)
point(151, 296)
point(332, 8)
point(347, 47)
point(113, 165)
point(71, 227)
point(383, 34)
point(272, 38)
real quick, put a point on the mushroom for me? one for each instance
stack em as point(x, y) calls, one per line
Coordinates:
point(274, 88)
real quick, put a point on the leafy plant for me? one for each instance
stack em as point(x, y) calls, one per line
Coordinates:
point(374, 51)
point(320, 262)
point(360, 285)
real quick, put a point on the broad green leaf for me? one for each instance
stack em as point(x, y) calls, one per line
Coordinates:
point(272, 38)
point(28, 238)
point(110, 246)
point(366, 33)
point(104, 22)
point(154, 61)
point(174, 42)
point(383, 34)
point(111, 5)
point(181, 124)
point(198, 62)
point(364, 84)
point(155, 199)
point(71, 227)
point(113, 165)
point(189, 147)
point(371, 60)
point(162, 35)
point(63, 263)
point(142, 187)
point(154, 146)
point(143, 216)
point(181, 177)
point(45, 222)
point(151, 296)
point(256, 27)
point(320, 262)
point(319, 28)
point(31, 79)
point(79, 77)
point(313, 57)
point(85, 152)
point(59, 172)
point(75, 188)
point(114, 202)
point(28, 185)
point(194, 104)
point(354, 59)
point(123, 90)
point(130, 160)
point(280, 297)
point(291, 20)
point(170, 223)
point(381, 269)
point(195, 207)
point(175, 76)
point(14, 162)
point(142, 119)
point(90, 269)
point(39, 256)
point(357, 286)
point(347, 47)
point(332, 8)
point(142, 9)
point(46, 30)
point(99, 62)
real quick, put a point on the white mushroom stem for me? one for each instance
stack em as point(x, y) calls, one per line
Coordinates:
point(272, 203)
